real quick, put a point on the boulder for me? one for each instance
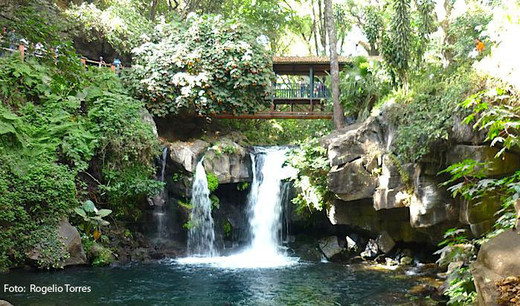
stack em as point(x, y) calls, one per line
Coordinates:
point(497, 259)
point(385, 242)
point(362, 215)
point(230, 165)
point(508, 163)
point(351, 244)
point(5, 303)
point(351, 181)
point(371, 250)
point(72, 242)
point(330, 247)
point(391, 190)
point(356, 141)
point(186, 154)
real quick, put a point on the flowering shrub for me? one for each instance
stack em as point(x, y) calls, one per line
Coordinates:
point(203, 66)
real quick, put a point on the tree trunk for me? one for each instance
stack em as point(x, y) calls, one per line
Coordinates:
point(339, 117)
point(153, 9)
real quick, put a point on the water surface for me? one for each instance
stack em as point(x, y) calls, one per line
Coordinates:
point(170, 283)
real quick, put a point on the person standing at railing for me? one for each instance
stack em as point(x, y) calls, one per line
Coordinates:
point(302, 88)
point(117, 65)
point(14, 40)
point(38, 49)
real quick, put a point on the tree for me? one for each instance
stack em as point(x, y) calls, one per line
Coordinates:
point(339, 117)
point(202, 66)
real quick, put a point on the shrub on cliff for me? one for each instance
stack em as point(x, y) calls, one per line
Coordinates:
point(202, 66)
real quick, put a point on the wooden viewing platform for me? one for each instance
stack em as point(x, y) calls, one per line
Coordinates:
point(300, 100)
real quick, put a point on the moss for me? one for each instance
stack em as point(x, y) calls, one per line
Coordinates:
point(212, 181)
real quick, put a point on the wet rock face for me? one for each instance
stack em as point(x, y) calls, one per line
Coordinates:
point(497, 259)
point(226, 159)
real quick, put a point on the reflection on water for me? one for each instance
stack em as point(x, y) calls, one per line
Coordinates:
point(170, 283)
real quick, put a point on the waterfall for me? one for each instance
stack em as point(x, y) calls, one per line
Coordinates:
point(266, 200)
point(159, 202)
point(266, 218)
point(160, 199)
point(201, 237)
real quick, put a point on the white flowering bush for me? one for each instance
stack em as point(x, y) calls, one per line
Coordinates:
point(203, 66)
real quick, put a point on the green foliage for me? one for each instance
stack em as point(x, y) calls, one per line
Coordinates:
point(311, 161)
point(62, 129)
point(98, 254)
point(92, 216)
point(462, 32)
point(33, 198)
point(120, 24)
point(361, 87)
point(202, 66)
point(493, 111)
point(242, 186)
point(496, 111)
point(212, 181)
point(275, 132)
point(215, 201)
point(228, 229)
point(50, 248)
point(462, 289)
point(424, 114)
point(397, 46)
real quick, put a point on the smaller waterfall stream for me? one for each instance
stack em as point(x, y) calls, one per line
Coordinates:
point(201, 237)
point(159, 202)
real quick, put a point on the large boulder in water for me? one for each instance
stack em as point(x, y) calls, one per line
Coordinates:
point(330, 247)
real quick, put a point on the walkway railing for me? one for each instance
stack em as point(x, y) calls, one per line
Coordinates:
point(300, 91)
point(116, 66)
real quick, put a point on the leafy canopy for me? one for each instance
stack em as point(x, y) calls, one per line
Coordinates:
point(202, 66)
